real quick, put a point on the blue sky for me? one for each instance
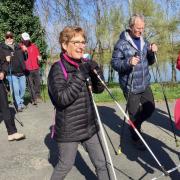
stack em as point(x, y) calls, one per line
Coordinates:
point(53, 28)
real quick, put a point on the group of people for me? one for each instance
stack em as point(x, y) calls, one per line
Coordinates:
point(18, 63)
point(70, 81)
point(68, 85)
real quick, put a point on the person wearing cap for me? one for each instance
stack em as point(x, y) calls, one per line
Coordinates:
point(32, 67)
point(4, 107)
point(14, 56)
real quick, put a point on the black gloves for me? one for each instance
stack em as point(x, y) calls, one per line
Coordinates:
point(87, 69)
point(93, 65)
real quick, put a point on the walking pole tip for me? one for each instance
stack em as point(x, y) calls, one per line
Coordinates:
point(164, 171)
point(119, 151)
point(177, 143)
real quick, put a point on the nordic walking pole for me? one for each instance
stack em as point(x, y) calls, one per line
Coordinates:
point(169, 171)
point(128, 95)
point(124, 120)
point(14, 108)
point(165, 98)
point(10, 72)
point(132, 125)
point(102, 131)
point(42, 84)
point(116, 153)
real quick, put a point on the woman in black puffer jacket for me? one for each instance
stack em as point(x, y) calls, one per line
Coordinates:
point(75, 120)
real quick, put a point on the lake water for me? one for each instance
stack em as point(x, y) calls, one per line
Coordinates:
point(165, 73)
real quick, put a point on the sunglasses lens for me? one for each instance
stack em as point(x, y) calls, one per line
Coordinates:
point(7, 37)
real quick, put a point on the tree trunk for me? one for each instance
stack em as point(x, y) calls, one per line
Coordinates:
point(173, 78)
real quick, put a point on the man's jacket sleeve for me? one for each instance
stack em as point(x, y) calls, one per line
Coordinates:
point(119, 62)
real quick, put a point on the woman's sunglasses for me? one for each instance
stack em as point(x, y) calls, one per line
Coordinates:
point(9, 37)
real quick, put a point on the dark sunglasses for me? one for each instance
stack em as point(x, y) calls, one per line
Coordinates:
point(7, 37)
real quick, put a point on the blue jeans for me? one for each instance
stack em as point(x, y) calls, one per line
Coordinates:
point(18, 87)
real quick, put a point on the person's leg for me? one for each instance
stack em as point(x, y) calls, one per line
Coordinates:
point(31, 86)
point(134, 113)
point(6, 114)
point(147, 105)
point(14, 85)
point(37, 83)
point(22, 84)
point(97, 157)
point(67, 154)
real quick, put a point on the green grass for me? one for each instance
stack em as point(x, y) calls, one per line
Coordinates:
point(172, 91)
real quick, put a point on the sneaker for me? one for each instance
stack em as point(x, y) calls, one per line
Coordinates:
point(20, 109)
point(16, 136)
point(23, 106)
point(39, 100)
point(139, 145)
point(34, 102)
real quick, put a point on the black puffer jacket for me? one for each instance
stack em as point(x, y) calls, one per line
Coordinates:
point(17, 58)
point(75, 113)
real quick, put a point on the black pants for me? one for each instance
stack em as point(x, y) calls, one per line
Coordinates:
point(34, 85)
point(5, 111)
point(140, 107)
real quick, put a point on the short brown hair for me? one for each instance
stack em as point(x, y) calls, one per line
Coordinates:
point(69, 32)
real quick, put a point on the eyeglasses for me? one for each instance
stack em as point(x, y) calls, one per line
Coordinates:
point(79, 43)
point(9, 37)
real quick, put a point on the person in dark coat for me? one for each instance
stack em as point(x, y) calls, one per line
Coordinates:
point(76, 121)
point(131, 58)
point(12, 53)
point(4, 107)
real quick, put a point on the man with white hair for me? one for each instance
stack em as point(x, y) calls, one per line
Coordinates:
point(131, 58)
point(32, 67)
